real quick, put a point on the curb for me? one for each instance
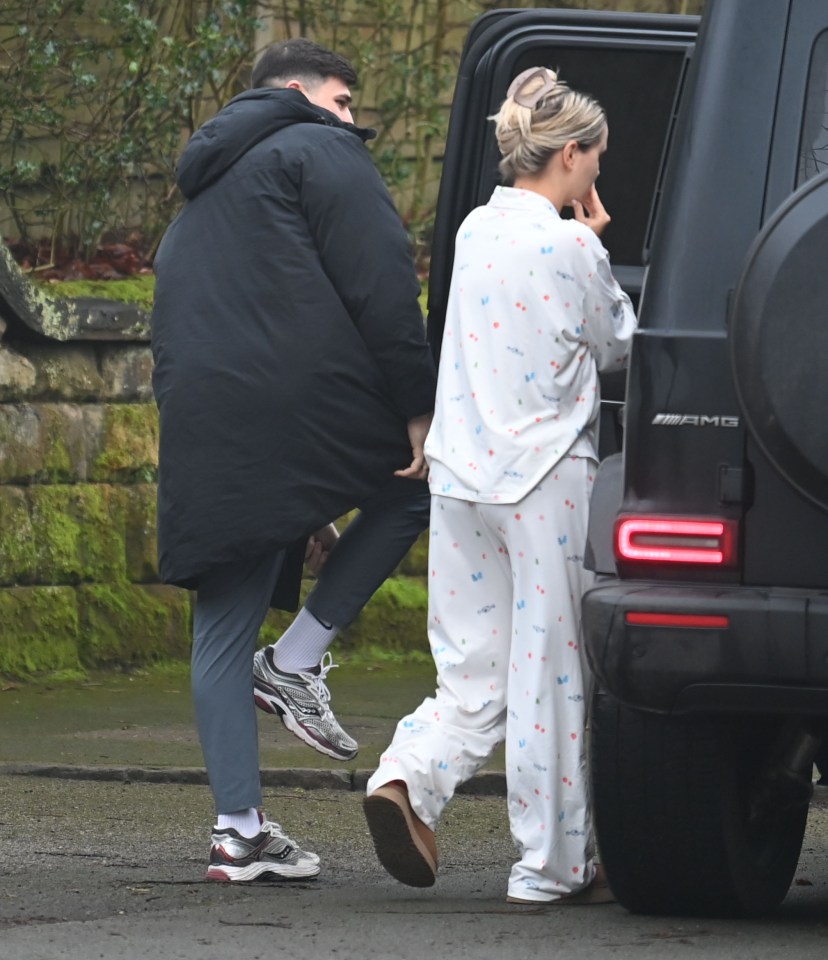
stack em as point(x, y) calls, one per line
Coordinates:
point(486, 784)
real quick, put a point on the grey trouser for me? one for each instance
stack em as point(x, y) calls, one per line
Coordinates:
point(232, 602)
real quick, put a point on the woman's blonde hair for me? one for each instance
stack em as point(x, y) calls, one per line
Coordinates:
point(539, 115)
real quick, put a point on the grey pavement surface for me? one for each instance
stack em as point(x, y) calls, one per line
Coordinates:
point(115, 870)
point(140, 727)
point(104, 837)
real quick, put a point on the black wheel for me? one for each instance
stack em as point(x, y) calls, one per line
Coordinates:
point(685, 820)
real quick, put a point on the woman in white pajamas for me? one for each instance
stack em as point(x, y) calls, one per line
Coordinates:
point(534, 313)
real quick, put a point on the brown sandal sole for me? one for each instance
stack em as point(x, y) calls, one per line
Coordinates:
point(400, 848)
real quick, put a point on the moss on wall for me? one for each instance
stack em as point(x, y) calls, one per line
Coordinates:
point(78, 532)
point(78, 555)
point(393, 623)
point(65, 372)
point(65, 442)
point(41, 443)
point(62, 441)
point(126, 624)
point(139, 290)
point(99, 539)
point(60, 632)
point(395, 619)
point(128, 444)
point(17, 547)
point(141, 539)
point(40, 633)
point(61, 534)
point(415, 562)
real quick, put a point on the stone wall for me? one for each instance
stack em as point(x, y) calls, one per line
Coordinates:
point(78, 576)
point(79, 583)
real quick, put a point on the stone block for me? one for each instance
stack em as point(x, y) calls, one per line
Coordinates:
point(40, 631)
point(140, 538)
point(125, 448)
point(18, 549)
point(17, 374)
point(62, 533)
point(85, 526)
point(80, 372)
point(124, 624)
point(126, 371)
point(43, 443)
point(63, 372)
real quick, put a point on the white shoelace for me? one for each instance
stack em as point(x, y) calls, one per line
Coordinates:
point(317, 680)
point(275, 830)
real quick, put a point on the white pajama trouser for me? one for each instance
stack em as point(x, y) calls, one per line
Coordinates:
point(504, 614)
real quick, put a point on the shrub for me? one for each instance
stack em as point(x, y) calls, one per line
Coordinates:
point(98, 97)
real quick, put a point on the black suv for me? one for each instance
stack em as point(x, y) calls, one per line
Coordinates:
point(707, 629)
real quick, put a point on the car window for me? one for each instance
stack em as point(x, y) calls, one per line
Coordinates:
point(637, 87)
point(813, 148)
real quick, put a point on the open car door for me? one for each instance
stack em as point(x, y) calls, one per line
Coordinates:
point(634, 65)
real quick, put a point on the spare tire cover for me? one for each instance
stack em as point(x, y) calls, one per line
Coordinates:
point(779, 340)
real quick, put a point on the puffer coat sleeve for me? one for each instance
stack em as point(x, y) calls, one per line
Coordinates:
point(365, 253)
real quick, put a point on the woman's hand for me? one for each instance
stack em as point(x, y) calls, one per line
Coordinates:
point(590, 211)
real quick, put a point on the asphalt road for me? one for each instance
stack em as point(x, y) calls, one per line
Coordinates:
point(114, 870)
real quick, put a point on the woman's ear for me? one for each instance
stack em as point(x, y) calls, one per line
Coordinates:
point(568, 153)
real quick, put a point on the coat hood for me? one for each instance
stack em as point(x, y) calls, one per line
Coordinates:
point(239, 126)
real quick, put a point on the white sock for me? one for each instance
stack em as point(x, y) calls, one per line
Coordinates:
point(304, 643)
point(245, 822)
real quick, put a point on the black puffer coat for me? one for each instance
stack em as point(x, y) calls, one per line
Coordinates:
point(288, 341)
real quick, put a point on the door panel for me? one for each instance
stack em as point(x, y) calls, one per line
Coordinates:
point(632, 63)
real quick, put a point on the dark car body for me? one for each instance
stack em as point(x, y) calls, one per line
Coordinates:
point(707, 629)
point(710, 404)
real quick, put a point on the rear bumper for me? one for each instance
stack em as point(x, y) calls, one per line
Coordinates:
point(771, 657)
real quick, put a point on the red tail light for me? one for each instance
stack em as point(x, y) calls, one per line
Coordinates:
point(709, 621)
point(674, 540)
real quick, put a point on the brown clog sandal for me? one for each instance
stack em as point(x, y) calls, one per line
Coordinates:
point(405, 846)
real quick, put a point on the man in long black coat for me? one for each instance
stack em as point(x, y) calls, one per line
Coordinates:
point(294, 384)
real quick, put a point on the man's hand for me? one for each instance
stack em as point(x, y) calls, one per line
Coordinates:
point(319, 547)
point(590, 211)
point(417, 432)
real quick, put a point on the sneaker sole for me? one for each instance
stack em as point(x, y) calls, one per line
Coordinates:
point(269, 702)
point(397, 845)
point(252, 871)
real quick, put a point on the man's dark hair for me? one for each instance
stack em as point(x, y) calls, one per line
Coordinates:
point(300, 59)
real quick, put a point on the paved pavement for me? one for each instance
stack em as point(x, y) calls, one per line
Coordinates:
point(139, 727)
point(105, 822)
point(116, 870)
point(104, 836)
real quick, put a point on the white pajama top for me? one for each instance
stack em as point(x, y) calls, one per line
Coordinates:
point(534, 313)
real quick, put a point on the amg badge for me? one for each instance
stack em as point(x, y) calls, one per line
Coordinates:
point(693, 420)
